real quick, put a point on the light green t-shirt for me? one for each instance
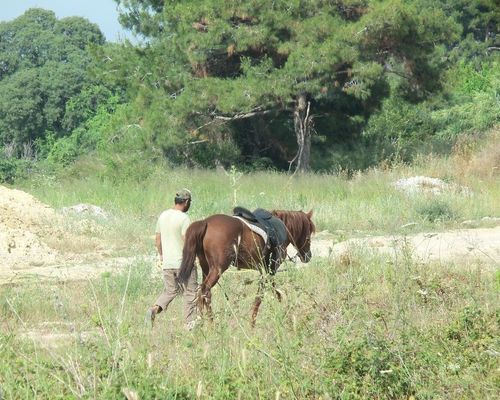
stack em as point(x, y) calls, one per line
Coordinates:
point(172, 225)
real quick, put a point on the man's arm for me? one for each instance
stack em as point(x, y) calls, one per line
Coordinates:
point(158, 246)
point(184, 228)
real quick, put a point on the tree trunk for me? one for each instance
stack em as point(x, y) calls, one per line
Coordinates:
point(302, 122)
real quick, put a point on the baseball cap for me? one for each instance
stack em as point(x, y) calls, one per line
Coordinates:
point(183, 194)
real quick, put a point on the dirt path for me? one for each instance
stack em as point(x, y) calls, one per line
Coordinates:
point(464, 245)
point(69, 271)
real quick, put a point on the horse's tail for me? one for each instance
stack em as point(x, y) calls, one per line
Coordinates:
point(193, 243)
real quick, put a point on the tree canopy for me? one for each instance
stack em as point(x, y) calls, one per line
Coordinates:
point(292, 85)
point(43, 64)
point(286, 59)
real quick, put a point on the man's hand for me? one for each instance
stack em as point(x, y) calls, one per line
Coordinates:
point(159, 263)
point(158, 245)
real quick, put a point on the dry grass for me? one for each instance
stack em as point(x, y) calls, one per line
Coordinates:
point(478, 157)
point(429, 328)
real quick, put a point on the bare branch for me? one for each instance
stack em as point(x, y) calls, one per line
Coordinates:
point(389, 68)
point(198, 141)
point(242, 115)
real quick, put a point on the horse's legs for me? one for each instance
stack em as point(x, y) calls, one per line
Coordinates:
point(204, 301)
point(258, 298)
point(276, 291)
point(272, 262)
point(278, 256)
point(205, 294)
point(257, 302)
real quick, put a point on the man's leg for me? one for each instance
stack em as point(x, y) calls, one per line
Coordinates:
point(190, 293)
point(169, 292)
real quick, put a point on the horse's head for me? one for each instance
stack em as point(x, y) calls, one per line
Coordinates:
point(300, 228)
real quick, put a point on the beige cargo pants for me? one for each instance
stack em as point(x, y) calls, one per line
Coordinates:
point(171, 290)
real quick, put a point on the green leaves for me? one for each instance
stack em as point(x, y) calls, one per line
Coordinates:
point(232, 60)
point(43, 64)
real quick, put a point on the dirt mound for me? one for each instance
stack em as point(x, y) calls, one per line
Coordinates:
point(24, 222)
point(32, 234)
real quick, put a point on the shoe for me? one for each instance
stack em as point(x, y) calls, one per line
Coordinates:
point(150, 316)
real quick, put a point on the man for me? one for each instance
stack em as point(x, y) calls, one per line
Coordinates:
point(170, 230)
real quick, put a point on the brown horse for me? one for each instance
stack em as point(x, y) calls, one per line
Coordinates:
point(221, 240)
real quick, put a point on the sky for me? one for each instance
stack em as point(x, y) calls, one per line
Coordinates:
point(101, 12)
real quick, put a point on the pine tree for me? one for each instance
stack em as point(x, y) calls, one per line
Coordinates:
point(238, 60)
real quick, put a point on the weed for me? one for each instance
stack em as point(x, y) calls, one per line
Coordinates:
point(436, 210)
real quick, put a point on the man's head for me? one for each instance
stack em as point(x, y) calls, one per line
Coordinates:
point(183, 199)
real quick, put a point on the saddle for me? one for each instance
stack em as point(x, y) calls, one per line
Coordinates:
point(263, 219)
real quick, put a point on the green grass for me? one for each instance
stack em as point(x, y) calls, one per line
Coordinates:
point(372, 329)
point(367, 327)
point(366, 203)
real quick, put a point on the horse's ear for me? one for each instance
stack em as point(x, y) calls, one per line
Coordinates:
point(310, 214)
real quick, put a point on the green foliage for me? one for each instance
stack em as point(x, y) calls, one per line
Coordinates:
point(43, 64)
point(64, 150)
point(85, 138)
point(473, 326)
point(220, 83)
point(370, 367)
point(435, 210)
point(230, 59)
point(470, 105)
point(13, 169)
point(8, 170)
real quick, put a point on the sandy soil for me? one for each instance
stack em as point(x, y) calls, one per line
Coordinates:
point(464, 245)
point(37, 240)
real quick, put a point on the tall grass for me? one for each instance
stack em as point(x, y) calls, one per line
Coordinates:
point(344, 204)
point(364, 327)
point(371, 329)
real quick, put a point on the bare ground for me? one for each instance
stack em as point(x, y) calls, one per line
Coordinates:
point(463, 245)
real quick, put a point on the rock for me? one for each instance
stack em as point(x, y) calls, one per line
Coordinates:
point(88, 209)
point(490, 219)
point(424, 184)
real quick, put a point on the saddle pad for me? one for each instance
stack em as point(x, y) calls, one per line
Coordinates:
point(253, 228)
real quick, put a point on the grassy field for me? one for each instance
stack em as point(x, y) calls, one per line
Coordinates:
point(372, 327)
point(345, 204)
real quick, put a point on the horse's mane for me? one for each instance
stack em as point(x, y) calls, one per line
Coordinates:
point(295, 221)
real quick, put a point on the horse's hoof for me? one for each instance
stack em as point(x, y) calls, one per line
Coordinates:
point(280, 294)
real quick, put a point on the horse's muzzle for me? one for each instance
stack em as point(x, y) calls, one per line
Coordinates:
point(306, 257)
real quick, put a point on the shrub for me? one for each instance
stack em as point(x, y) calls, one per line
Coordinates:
point(435, 209)
point(369, 367)
point(12, 169)
point(8, 169)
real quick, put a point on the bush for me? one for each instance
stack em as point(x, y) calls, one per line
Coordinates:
point(8, 169)
point(436, 209)
point(371, 368)
point(64, 150)
point(12, 169)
